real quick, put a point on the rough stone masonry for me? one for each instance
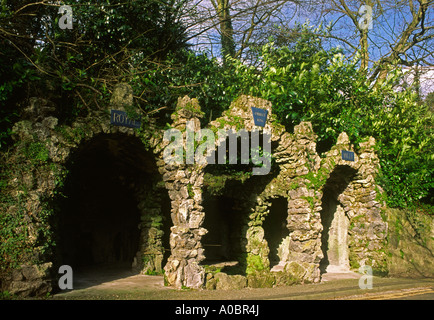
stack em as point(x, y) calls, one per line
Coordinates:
point(332, 215)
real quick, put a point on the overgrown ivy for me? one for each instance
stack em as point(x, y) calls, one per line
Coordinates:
point(16, 245)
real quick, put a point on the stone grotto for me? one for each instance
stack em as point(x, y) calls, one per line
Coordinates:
point(113, 200)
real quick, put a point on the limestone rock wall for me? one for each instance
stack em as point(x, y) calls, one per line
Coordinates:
point(37, 168)
point(299, 175)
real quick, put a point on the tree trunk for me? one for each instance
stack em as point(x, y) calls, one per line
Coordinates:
point(364, 50)
point(226, 29)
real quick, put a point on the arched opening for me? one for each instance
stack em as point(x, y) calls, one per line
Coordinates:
point(334, 237)
point(275, 228)
point(100, 220)
point(224, 183)
point(223, 220)
point(228, 199)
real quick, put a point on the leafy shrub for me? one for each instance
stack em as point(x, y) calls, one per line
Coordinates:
point(308, 83)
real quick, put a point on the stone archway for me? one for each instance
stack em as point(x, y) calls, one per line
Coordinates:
point(102, 149)
point(102, 216)
point(300, 176)
point(335, 236)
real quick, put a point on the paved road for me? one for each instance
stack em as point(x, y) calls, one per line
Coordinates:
point(421, 293)
point(383, 289)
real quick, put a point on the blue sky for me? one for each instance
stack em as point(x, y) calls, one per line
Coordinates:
point(387, 27)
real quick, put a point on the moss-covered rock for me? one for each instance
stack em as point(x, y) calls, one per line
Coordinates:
point(409, 245)
point(230, 282)
point(285, 279)
point(264, 279)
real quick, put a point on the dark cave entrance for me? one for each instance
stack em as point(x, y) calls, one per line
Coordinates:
point(99, 219)
point(275, 228)
point(334, 237)
point(223, 218)
point(228, 201)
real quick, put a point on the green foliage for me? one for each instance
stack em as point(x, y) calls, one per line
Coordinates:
point(317, 180)
point(25, 235)
point(316, 87)
point(15, 73)
point(36, 152)
point(111, 41)
point(429, 101)
point(150, 272)
point(254, 264)
point(212, 269)
point(215, 182)
point(144, 43)
point(14, 246)
point(190, 190)
point(156, 222)
point(186, 73)
point(293, 185)
point(405, 146)
point(420, 218)
point(5, 295)
point(308, 83)
point(311, 202)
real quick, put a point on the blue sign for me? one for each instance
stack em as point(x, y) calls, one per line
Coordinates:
point(120, 118)
point(259, 116)
point(347, 155)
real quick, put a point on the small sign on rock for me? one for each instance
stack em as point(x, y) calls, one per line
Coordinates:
point(120, 118)
point(347, 155)
point(259, 116)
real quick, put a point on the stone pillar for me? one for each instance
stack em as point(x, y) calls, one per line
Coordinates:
point(182, 268)
point(184, 182)
point(256, 246)
point(368, 230)
point(304, 241)
point(301, 250)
